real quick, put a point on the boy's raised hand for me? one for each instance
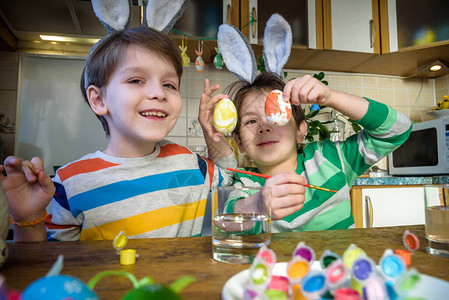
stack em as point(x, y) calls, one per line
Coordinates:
point(287, 194)
point(216, 143)
point(307, 89)
point(28, 191)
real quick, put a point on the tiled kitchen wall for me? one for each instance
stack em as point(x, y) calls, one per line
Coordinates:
point(413, 97)
point(441, 87)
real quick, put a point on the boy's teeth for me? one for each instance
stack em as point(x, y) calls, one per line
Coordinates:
point(153, 113)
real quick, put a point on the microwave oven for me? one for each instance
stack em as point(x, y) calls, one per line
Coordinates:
point(425, 152)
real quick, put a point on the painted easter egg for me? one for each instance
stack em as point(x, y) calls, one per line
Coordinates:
point(58, 287)
point(277, 110)
point(225, 116)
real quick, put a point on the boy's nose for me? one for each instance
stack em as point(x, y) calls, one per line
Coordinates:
point(155, 92)
point(264, 130)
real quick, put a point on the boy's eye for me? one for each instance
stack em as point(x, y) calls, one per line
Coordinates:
point(249, 122)
point(135, 81)
point(170, 86)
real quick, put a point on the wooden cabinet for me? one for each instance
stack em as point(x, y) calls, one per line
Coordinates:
point(410, 24)
point(300, 14)
point(354, 36)
point(381, 206)
point(351, 25)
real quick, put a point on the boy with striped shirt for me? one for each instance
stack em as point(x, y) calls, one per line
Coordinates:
point(141, 183)
point(327, 164)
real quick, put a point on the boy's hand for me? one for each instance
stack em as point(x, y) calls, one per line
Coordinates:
point(287, 194)
point(28, 190)
point(307, 89)
point(217, 146)
point(206, 111)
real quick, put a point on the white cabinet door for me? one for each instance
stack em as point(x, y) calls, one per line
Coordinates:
point(393, 206)
point(352, 25)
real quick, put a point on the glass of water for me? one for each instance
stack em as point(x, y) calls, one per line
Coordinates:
point(437, 219)
point(241, 222)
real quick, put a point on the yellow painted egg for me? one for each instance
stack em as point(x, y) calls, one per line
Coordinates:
point(225, 116)
point(277, 110)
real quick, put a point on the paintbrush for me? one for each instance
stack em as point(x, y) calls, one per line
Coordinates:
point(268, 176)
point(32, 169)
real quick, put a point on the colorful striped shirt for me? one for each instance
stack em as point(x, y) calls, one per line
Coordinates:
point(336, 166)
point(163, 194)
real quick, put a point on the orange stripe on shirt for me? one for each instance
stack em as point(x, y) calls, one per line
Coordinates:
point(84, 166)
point(173, 149)
point(49, 224)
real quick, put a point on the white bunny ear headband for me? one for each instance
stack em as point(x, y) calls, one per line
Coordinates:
point(239, 56)
point(116, 15)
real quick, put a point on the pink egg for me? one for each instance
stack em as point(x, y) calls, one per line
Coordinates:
point(277, 110)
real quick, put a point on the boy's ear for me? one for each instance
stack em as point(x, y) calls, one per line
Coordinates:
point(238, 142)
point(96, 100)
point(301, 132)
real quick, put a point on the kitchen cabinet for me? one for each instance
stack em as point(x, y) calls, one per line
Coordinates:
point(322, 39)
point(300, 14)
point(378, 206)
point(410, 24)
point(347, 25)
point(351, 25)
point(382, 206)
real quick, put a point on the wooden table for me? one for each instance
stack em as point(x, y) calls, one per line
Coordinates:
point(167, 259)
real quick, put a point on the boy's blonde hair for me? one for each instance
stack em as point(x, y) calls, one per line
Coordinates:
point(264, 83)
point(105, 58)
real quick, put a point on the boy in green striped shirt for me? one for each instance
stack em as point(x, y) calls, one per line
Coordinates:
point(332, 165)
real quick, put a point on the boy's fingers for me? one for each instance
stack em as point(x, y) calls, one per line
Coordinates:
point(11, 165)
point(46, 183)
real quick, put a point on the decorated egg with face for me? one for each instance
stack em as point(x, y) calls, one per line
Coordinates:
point(225, 116)
point(277, 110)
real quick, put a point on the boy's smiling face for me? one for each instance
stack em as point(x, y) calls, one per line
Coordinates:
point(269, 146)
point(142, 102)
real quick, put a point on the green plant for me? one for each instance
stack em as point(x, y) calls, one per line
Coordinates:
point(315, 127)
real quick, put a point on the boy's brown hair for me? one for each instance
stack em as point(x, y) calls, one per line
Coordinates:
point(108, 54)
point(264, 82)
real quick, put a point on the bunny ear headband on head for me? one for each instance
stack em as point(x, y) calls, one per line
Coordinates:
point(239, 56)
point(116, 15)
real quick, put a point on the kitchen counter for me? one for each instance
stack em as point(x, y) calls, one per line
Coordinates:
point(394, 180)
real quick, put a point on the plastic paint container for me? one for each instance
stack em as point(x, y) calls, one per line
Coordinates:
point(267, 255)
point(259, 274)
point(337, 275)
point(327, 258)
point(304, 251)
point(392, 265)
point(363, 268)
point(313, 285)
point(411, 241)
point(346, 294)
point(297, 268)
point(375, 289)
point(351, 254)
point(407, 282)
point(279, 283)
point(405, 255)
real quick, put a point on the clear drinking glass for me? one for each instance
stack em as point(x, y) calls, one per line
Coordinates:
point(437, 219)
point(241, 222)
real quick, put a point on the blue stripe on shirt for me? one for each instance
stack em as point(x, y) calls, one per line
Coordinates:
point(130, 188)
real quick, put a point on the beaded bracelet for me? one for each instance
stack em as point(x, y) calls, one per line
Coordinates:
point(29, 223)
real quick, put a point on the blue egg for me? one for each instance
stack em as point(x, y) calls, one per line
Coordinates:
point(58, 287)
